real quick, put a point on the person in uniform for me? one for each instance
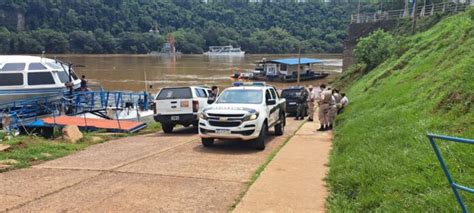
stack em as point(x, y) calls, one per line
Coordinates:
point(310, 102)
point(324, 104)
point(300, 104)
point(332, 109)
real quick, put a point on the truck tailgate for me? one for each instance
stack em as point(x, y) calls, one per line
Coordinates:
point(174, 106)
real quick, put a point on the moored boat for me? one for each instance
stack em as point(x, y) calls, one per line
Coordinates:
point(285, 70)
point(23, 77)
point(224, 51)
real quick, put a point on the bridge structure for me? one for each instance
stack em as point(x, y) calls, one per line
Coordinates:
point(362, 24)
point(411, 12)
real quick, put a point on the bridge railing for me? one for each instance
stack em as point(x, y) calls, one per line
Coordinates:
point(20, 112)
point(421, 11)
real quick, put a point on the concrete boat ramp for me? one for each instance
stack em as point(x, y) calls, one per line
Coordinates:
point(157, 172)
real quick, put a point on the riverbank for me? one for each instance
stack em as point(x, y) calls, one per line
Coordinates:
point(381, 159)
point(26, 151)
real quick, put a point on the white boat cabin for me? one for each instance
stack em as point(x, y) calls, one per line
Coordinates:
point(27, 76)
point(289, 66)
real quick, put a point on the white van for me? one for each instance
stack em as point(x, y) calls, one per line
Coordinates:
point(179, 105)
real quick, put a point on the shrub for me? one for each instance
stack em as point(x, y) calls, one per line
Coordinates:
point(375, 48)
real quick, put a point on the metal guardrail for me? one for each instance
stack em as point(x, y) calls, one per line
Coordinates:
point(455, 186)
point(421, 11)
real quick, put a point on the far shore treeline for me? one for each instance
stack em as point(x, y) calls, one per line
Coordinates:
point(131, 26)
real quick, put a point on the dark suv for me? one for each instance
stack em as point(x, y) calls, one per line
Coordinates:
point(292, 94)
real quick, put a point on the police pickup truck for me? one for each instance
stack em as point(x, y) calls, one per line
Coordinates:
point(245, 112)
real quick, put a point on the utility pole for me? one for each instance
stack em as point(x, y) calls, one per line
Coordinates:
point(299, 65)
point(406, 11)
point(358, 11)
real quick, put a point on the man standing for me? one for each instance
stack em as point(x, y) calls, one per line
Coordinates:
point(332, 109)
point(301, 103)
point(83, 83)
point(310, 101)
point(213, 95)
point(324, 104)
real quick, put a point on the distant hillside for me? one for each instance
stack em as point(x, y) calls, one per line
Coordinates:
point(126, 26)
point(381, 159)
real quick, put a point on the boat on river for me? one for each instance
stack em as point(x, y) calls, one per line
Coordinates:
point(284, 70)
point(23, 77)
point(224, 51)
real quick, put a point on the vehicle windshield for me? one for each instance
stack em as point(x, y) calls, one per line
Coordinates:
point(240, 97)
point(290, 93)
point(174, 93)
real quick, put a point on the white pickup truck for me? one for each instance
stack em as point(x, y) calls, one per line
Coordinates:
point(245, 112)
point(179, 105)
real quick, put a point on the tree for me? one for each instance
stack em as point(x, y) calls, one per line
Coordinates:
point(83, 42)
point(4, 40)
point(52, 41)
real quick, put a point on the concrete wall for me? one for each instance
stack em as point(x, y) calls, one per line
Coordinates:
point(358, 30)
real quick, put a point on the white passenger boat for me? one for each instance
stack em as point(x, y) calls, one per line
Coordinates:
point(224, 51)
point(23, 77)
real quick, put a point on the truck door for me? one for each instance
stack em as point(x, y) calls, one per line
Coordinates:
point(271, 108)
point(276, 107)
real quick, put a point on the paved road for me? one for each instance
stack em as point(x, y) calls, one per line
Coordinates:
point(144, 173)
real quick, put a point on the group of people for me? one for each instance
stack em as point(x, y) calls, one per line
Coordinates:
point(330, 103)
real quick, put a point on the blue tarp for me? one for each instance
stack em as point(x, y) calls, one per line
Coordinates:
point(294, 61)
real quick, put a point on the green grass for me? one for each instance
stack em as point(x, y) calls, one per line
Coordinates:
point(381, 160)
point(31, 150)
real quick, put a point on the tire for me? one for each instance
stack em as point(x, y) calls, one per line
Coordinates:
point(259, 143)
point(167, 128)
point(207, 142)
point(280, 128)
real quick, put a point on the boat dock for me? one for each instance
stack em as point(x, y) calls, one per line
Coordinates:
point(89, 124)
point(91, 110)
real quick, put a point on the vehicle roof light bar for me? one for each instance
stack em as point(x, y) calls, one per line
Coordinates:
point(258, 84)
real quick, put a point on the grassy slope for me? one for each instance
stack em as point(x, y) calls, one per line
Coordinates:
point(382, 160)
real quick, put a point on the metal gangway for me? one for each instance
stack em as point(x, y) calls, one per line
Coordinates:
point(453, 184)
point(19, 114)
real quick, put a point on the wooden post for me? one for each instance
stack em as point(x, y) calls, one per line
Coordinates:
point(298, 68)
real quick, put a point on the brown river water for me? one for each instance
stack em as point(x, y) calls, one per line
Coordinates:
point(127, 72)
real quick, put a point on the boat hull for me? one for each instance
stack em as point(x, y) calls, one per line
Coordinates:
point(8, 96)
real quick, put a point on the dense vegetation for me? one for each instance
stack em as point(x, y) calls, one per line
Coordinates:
point(381, 159)
point(127, 26)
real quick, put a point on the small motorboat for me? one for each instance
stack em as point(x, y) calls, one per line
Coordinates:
point(23, 77)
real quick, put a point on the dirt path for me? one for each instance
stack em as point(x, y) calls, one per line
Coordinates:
point(294, 179)
point(145, 173)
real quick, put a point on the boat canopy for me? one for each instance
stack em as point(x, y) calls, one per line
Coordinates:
point(294, 61)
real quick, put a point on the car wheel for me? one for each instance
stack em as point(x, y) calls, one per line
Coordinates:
point(259, 143)
point(207, 141)
point(167, 128)
point(280, 128)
